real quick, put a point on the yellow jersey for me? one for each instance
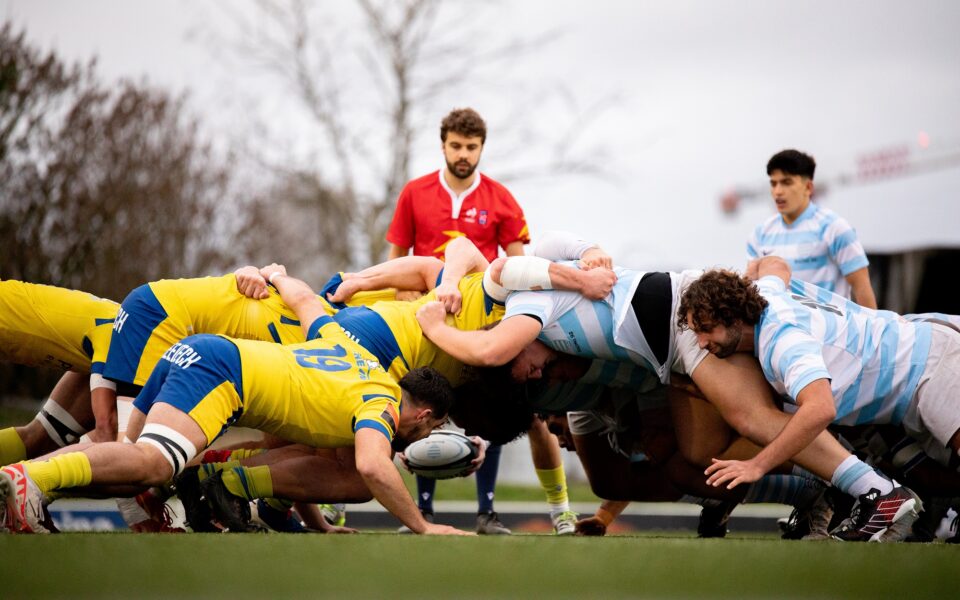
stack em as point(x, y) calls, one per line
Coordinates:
point(43, 325)
point(391, 332)
point(155, 316)
point(319, 392)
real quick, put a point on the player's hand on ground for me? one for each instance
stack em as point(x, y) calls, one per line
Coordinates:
point(272, 269)
point(481, 455)
point(597, 283)
point(251, 283)
point(593, 526)
point(336, 529)
point(595, 258)
point(732, 473)
point(434, 529)
point(430, 315)
point(449, 295)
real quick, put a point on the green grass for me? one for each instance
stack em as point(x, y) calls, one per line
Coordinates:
point(384, 565)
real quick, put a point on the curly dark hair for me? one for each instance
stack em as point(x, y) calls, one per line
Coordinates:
point(492, 409)
point(792, 162)
point(430, 389)
point(720, 297)
point(464, 121)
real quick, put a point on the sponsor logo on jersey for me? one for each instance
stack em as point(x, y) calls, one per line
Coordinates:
point(181, 355)
point(120, 320)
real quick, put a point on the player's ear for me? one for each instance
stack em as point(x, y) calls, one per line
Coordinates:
point(424, 414)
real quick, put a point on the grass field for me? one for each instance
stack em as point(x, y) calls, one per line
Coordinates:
point(380, 565)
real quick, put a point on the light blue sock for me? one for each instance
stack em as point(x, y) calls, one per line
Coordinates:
point(856, 478)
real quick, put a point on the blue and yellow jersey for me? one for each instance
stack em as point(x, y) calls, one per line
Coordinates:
point(43, 325)
point(213, 305)
point(155, 316)
point(319, 392)
point(391, 332)
point(360, 298)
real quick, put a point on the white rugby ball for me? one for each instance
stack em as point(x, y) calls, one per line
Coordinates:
point(441, 455)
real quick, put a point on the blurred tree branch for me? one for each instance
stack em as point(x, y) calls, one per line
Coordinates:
point(368, 78)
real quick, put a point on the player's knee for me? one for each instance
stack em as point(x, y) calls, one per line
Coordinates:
point(58, 425)
point(170, 451)
point(153, 466)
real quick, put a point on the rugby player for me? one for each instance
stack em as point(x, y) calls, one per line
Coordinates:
point(391, 332)
point(820, 246)
point(47, 326)
point(636, 324)
point(327, 392)
point(848, 367)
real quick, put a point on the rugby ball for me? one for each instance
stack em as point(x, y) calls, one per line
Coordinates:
point(441, 455)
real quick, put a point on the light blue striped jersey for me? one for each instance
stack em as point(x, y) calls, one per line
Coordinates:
point(585, 393)
point(823, 296)
point(873, 362)
point(606, 329)
point(821, 247)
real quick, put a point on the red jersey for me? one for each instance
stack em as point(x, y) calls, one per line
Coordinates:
point(429, 215)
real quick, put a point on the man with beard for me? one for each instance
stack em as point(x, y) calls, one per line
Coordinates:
point(457, 201)
point(838, 366)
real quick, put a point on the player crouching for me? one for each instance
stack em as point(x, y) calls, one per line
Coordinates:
point(328, 392)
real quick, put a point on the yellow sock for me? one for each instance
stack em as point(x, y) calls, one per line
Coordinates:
point(64, 471)
point(208, 469)
point(249, 482)
point(554, 483)
point(242, 453)
point(11, 447)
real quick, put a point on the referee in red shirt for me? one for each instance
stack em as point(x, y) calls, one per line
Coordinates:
point(457, 200)
point(453, 202)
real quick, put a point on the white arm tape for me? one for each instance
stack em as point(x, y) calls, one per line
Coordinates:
point(98, 381)
point(561, 245)
point(494, 289)
point(526, 273)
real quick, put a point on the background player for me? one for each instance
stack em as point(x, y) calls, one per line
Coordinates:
point(820, 246)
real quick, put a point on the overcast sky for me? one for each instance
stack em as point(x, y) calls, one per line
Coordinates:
point(707, 92)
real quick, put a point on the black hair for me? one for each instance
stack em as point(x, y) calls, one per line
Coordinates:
point(792, 162)
point(429, 389)
point(491, 410)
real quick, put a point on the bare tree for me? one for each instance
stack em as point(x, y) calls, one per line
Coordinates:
point(369, 81)
point(102, 189)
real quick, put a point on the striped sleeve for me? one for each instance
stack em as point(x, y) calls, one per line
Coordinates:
point(753, 244)
point(844, 247)
point(380, 412)
point(538, 305)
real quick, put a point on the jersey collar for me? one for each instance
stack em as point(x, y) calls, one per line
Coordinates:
point(457, 201)
point(806, 214)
